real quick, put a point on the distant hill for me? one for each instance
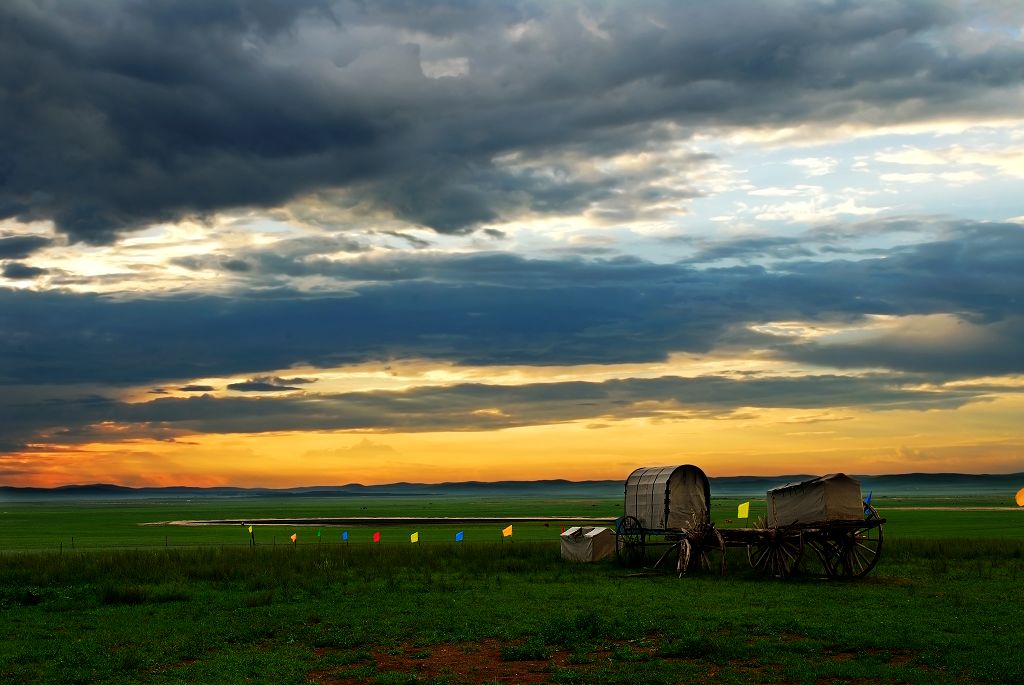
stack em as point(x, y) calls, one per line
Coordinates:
point(907, 484)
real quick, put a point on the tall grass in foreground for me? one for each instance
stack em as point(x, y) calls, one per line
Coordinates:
point(932, 612)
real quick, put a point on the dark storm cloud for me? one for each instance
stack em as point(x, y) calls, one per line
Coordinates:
point(237, 265)
point(156, 110)
point(473, 407)
point(503, 309)
point(258, 386)
point(21, 246)
point(269, 384)
point(19, 271)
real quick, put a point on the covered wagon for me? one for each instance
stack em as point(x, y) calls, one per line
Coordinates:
point(826, 514)
point(667, 506)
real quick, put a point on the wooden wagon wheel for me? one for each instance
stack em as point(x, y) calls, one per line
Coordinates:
point(852, 552)
point(629, 541)
point(777, 553)
point(705, 550)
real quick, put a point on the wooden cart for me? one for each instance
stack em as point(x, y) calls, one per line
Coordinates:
point(669, 507)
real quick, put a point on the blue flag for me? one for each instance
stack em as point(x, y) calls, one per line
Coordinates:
point(344, 536)
point(867, 502)
point(458, 536)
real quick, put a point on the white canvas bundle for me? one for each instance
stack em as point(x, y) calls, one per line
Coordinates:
point(587, 543)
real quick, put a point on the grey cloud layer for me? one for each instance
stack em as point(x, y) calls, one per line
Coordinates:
point(115, 114)
point(468, 407)
point(503, 309)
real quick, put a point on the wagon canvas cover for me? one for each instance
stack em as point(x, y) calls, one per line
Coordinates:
point(587, 544)
point(835, 497)
point(668, 497)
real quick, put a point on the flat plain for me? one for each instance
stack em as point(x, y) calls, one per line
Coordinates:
point(131, 603)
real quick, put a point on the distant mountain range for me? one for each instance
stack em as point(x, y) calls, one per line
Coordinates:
point(907, 484)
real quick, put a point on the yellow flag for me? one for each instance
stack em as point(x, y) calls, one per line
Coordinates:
point(250, 530)
point(744, 511)
point(415, 537)
point(295, 536)
point(507, 532)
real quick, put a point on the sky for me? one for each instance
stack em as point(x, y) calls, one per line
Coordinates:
point(296, 242)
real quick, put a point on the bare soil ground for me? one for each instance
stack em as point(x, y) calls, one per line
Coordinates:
point(464, 662)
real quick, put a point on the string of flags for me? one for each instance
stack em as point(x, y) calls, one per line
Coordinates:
point(414, 537)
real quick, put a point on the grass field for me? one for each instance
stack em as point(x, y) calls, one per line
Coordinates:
point(89, 525)
point(943, 605)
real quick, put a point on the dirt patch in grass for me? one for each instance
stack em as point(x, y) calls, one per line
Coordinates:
point(473, 662)
point(896, 657)
point(478, 662)
point(902, 657)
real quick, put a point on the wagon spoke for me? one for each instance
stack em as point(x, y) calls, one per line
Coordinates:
point(776, 554)
point(764, 552)
point(858, 565)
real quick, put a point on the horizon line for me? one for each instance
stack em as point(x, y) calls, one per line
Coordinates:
point(478, 482)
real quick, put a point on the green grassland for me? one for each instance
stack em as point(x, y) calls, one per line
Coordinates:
point(942, 606)
point(111, 524)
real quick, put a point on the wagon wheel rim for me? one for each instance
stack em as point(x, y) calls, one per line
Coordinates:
point(777, 555)
point(629, 541)
point(860, 549)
